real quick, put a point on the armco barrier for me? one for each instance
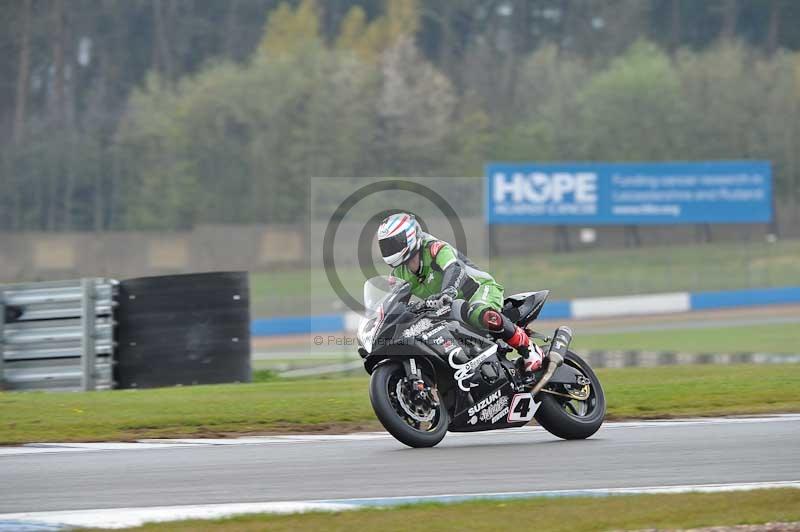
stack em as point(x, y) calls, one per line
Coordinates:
point(580, 308)
point(60, 337)
point(97, 334)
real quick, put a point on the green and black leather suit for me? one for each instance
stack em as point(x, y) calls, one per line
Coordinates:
point(443, 267)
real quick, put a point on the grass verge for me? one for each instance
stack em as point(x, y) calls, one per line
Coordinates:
point(586, 514)
point(342, 404)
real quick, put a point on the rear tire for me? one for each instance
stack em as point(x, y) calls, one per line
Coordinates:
point(380, 384)
point(554, 417)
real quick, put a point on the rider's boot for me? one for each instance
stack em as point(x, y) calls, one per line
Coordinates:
point(530, 356)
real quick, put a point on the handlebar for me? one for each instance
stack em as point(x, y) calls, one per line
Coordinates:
point(415, 308)
point(421, 307)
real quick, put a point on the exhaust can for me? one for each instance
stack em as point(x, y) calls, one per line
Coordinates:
point(561, 340)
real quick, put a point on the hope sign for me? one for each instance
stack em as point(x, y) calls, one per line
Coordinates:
point(540, 187)
point(601, 193)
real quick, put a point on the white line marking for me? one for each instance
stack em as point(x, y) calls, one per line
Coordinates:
point(147, 444)
point(588, 492)
point(46, 448)
point(683, 422)
point(299, 438)
point(130, 517)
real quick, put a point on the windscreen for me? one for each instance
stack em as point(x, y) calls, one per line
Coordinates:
point(377, 290)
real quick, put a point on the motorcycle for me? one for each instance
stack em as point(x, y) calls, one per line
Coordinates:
point(431, 372)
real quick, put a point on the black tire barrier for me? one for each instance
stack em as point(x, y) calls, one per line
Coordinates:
point(183, 329)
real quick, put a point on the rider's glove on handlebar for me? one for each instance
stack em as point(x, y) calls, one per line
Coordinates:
point(443, 298)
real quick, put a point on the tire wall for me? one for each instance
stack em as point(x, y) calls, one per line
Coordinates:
point(183, 329)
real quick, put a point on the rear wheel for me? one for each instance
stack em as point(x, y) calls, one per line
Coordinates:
point(573, 412)
point(411, 412)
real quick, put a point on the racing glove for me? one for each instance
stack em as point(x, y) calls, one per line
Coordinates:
point(442, 299)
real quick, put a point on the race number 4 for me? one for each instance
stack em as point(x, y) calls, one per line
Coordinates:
point(523, 407)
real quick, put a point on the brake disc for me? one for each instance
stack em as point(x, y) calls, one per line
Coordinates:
point(408, 409)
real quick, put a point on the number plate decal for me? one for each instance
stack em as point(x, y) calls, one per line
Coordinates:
point(523, 407)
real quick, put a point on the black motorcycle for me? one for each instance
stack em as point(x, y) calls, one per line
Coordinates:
point(431, 372)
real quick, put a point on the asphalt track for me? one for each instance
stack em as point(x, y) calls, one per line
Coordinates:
point(621, 455)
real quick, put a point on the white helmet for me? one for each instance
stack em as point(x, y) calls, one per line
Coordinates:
point(399, 236)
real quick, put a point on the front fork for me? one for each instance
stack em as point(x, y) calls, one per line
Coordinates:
point(412, 370)
point(418, 388)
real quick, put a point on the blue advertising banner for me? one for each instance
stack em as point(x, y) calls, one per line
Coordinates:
point(629, 193)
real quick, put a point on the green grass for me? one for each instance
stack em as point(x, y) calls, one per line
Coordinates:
point(568, 275)
point(778, 338)
point(636, 512)
point(264, 375)
point(682, 391)
point(342, 404)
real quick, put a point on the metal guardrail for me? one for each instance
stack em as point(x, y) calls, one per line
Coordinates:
point(64, 338)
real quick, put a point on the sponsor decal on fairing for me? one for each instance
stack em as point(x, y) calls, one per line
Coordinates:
point(422, 325)
point(466, 371)
point(483, 403)
point(500, 415)
point(495, 411)
point(435, 330)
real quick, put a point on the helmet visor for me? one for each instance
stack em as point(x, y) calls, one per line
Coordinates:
point(392, 245)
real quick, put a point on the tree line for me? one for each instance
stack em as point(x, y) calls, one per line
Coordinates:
point(161, 114)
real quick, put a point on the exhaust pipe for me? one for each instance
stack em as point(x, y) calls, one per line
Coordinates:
point(555, 356)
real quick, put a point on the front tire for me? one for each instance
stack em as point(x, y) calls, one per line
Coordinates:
point(390, 412)
point(561, 417)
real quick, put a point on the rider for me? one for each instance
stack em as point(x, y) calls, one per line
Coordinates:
point(439, 273)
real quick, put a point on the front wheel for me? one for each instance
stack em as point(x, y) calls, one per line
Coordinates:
point(573, 412)
point(416, 417)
